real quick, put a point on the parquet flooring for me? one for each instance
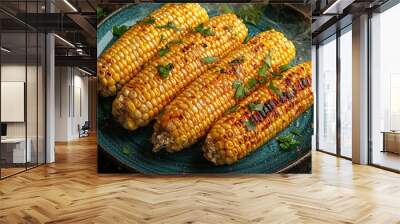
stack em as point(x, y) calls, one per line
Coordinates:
point(71, 191)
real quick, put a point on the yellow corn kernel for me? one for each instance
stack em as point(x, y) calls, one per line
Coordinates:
point(125, 58)
point(212, 93)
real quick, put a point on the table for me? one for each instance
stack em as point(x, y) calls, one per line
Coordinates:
point(391, 141)
point(16, 147)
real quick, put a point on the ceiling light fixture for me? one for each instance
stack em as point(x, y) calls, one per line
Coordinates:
point(84, 71)
point(337, 7)
point(5, 50)
point(70, 5)
point(64, 40)
point(326, 11)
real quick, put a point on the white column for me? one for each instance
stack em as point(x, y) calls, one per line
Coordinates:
point(50, 93)
point(360, 90)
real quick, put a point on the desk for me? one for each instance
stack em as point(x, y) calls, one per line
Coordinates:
point(391, 141)
point(16, 147)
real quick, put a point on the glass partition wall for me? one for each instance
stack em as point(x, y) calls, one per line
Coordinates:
point(326, 94)
point(385, 90)
point(22, 77)
point(334, 93)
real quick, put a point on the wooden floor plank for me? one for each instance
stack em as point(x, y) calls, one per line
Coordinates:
point(71, 191)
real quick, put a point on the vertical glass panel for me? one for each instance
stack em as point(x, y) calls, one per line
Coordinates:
point(41, 79)
point(327, 96)
point(346, 93)
point(32, 88)
point(32, 98)
point(385, 84)
point(314, 73)
point(13, 86)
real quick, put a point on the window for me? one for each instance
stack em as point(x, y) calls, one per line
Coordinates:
point(385, 89)
point(346, 92)
point(326, 94)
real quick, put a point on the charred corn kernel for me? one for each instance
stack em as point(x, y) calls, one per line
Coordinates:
point(255, 127)
point(207, 98)
point(162, 79)
point(124, 59)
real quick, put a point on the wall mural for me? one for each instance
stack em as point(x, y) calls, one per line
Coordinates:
point(204, 88)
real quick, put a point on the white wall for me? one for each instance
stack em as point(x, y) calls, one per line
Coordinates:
point(71, 93)
point(34, 125)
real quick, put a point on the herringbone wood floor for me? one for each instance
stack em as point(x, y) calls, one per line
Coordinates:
point(70, 191)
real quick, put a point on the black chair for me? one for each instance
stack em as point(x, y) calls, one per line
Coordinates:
point(84, 130)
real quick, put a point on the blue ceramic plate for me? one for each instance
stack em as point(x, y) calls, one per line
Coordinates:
point(133, 149)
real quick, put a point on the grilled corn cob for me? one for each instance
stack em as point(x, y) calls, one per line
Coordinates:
point(124, 59)
point(159, 82)
point(243, 131)
point(192, 113)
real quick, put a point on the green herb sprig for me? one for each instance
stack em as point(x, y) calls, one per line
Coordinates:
point(164, 70)
point(255, 106)
point(249, 125)
point(125, 150)
point(169, 25)
point(287, 142)
point(209, 60)
point(163, 51)
point(204, 31)
point(118, 31)
point(232, 109)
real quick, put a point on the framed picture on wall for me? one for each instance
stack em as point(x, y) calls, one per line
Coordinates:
point(204, 88)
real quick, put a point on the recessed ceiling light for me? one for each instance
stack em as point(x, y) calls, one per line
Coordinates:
point(70, 5)
point(84, 71)
point(5, 50)
point(64, 40)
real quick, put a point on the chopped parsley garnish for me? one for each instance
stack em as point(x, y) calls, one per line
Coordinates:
point(169, 25)
point(237, 83)
point(163, 70)
point(163, 51)
point(232, 109)
point(263, 70)
point(241, 89)
point(149, 20)
point(162, 37)
point(274, 89)
point(240, 92)
point(267, 59)
point(237, 61)
point(119, 30)
point(287, 142)
point(249, 125)
point(285, 67)
point(256, 106)
point(208, 60)
point(179, 41)
point(276, 75)
point(252, 83)
point(204, 31)
point(296, 132)
point(125, 150)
